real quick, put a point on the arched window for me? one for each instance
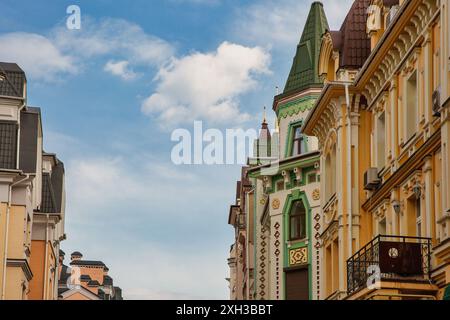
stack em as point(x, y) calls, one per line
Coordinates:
point(297, 220)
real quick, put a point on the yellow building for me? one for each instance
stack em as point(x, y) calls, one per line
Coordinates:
point(383, 126)
point(27, 189)
point(48, 231)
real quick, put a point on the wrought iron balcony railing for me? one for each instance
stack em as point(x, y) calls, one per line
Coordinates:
point(393, 257)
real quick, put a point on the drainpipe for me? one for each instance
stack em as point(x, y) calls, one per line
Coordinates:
point(349, 170)
point(346, 85)
point(44, 293)
point(8, 210)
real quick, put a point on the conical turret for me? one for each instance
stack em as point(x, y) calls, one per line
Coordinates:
point(304, 70)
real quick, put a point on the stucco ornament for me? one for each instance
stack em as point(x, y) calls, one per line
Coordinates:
point(276, 204)
point(316, 194)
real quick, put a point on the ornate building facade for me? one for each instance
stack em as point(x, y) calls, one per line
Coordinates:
point(376, 194)
point(281, 211)
point(382, 122)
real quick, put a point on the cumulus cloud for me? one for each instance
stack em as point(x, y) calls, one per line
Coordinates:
point(206, 86)
point(63, 51)
point(116, 37)
point(120, 69)
point(36, 54)
point(279, 23)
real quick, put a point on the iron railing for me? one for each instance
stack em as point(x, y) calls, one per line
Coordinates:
point(393, 257)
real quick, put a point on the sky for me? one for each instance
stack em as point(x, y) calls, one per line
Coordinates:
point(111, 95)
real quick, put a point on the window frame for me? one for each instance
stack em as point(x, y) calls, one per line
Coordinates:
point(300, 228)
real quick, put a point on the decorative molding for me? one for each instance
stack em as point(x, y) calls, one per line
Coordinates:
point(276, 204)
point(316, 194)
point(295, 107)
point(298, 256)
point(23, 264)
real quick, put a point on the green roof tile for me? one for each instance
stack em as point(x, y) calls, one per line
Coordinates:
point(304, 70)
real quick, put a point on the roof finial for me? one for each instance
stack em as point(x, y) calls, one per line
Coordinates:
point(264, 116)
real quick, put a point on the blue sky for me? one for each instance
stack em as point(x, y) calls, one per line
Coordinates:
point(111, 94)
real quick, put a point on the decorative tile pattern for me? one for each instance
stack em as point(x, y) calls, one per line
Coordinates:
point(298, 256)
point(277, 244)
point(262, 258)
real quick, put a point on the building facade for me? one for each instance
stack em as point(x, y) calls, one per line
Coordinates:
point(241, 262)
point(85, 280)
point(382, 122)
point(280, 216)
point(377, 205)
point(30, 196)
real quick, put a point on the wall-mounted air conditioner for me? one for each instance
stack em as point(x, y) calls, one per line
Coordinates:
point(371, 179)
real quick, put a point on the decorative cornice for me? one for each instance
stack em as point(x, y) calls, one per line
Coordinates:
point(23, 264)
point(296, 106)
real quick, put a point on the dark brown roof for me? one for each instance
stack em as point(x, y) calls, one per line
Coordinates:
point(390, 3)
point(48, 204)
point(12, 80)
point(58, 184)
point(352, 40)
point(8, 145)
point(88, 263)
point(93, 283)
point(52, 191)
point(29, 131)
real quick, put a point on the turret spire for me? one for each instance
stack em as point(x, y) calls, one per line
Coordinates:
point(304, 70)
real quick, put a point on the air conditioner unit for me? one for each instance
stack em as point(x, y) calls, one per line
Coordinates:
point(436, 102)
point(371, 179)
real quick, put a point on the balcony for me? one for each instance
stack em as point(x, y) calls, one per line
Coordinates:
point(397, 258)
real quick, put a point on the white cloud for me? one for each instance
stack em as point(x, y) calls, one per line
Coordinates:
point(36, 54)
point(116, 37)
point(206, 86)
point(63, 51)
point(279, 23)
point(120, 69)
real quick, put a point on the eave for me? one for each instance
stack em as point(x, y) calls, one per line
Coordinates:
point(387, 40)
point(330, 90)
point(302, 160)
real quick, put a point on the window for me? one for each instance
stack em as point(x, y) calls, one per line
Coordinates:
point(330, 174)
point(381, 141)
point(412, 106)
point(414, 217)
point(312, 177)
point(382, 227)
point(280, 185)
point(297, 221)
point(418, 219)
point(298, 146)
